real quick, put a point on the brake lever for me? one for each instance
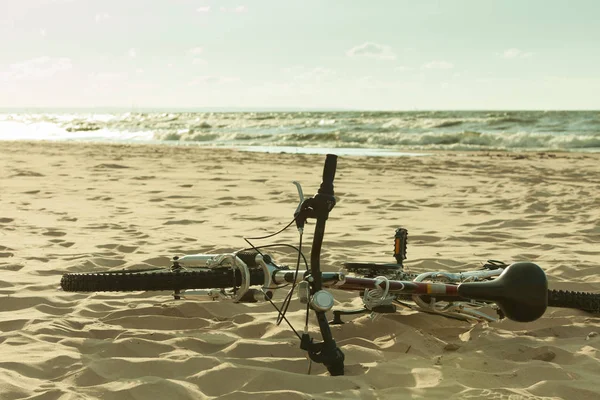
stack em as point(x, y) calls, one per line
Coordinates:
point(300, 220)
point(300, 194)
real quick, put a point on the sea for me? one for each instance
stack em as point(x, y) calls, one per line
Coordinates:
point(346, 132)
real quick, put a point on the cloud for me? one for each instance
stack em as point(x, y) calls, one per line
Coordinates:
point(237, 10)
point(372, 50)
point(195, 51)
point(132, 53)
point(515, 53)
point(43, 32)
point(36, 68)
point(213, 80)
point(403, 68)
point(438, 65)
point(203, 9)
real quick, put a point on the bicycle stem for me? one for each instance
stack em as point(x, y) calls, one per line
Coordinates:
point(319, 207)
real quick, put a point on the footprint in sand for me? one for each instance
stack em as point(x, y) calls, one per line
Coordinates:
point(19, 172)
point(118, 247)
point(62, 243)
point(184, 222)
point(103, 198)
point(110, 166)
point(53, 232)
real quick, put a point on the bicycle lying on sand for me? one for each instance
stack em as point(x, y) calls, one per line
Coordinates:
point(518, 291)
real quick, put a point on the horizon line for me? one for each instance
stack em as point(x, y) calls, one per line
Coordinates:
point(278, 109)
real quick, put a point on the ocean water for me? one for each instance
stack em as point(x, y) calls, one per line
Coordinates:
point(355, 132)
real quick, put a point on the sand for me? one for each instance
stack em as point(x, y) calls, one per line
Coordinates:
point(67, 207)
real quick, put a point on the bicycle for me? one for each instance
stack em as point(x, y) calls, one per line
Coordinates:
point(518, 291)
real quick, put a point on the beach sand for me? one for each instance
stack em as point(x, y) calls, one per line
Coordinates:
point(72, 207)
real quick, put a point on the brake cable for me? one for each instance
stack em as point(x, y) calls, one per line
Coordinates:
point(288, 298)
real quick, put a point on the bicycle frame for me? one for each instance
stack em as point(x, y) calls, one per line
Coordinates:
point(520, 290)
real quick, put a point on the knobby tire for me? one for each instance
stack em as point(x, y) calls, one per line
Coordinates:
point(152, 280)
point(585, 301)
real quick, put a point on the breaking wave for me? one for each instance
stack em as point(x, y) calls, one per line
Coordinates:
point(445, 130)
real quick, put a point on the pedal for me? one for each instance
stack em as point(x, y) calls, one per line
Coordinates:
point(400, 240)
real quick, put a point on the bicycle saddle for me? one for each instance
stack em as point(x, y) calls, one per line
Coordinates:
point(521, 291)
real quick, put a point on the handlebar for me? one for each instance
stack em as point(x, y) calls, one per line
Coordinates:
point(328, 175)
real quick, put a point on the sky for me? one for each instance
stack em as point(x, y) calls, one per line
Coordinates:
point(340, 54)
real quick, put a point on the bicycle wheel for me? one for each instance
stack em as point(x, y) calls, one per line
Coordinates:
point(156, 279)
point(161, 278)
point(585, 301)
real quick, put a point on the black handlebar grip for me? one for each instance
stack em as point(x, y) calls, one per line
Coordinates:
point(328, 175)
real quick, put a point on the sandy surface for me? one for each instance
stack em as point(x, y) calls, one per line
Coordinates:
point(83, 207)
